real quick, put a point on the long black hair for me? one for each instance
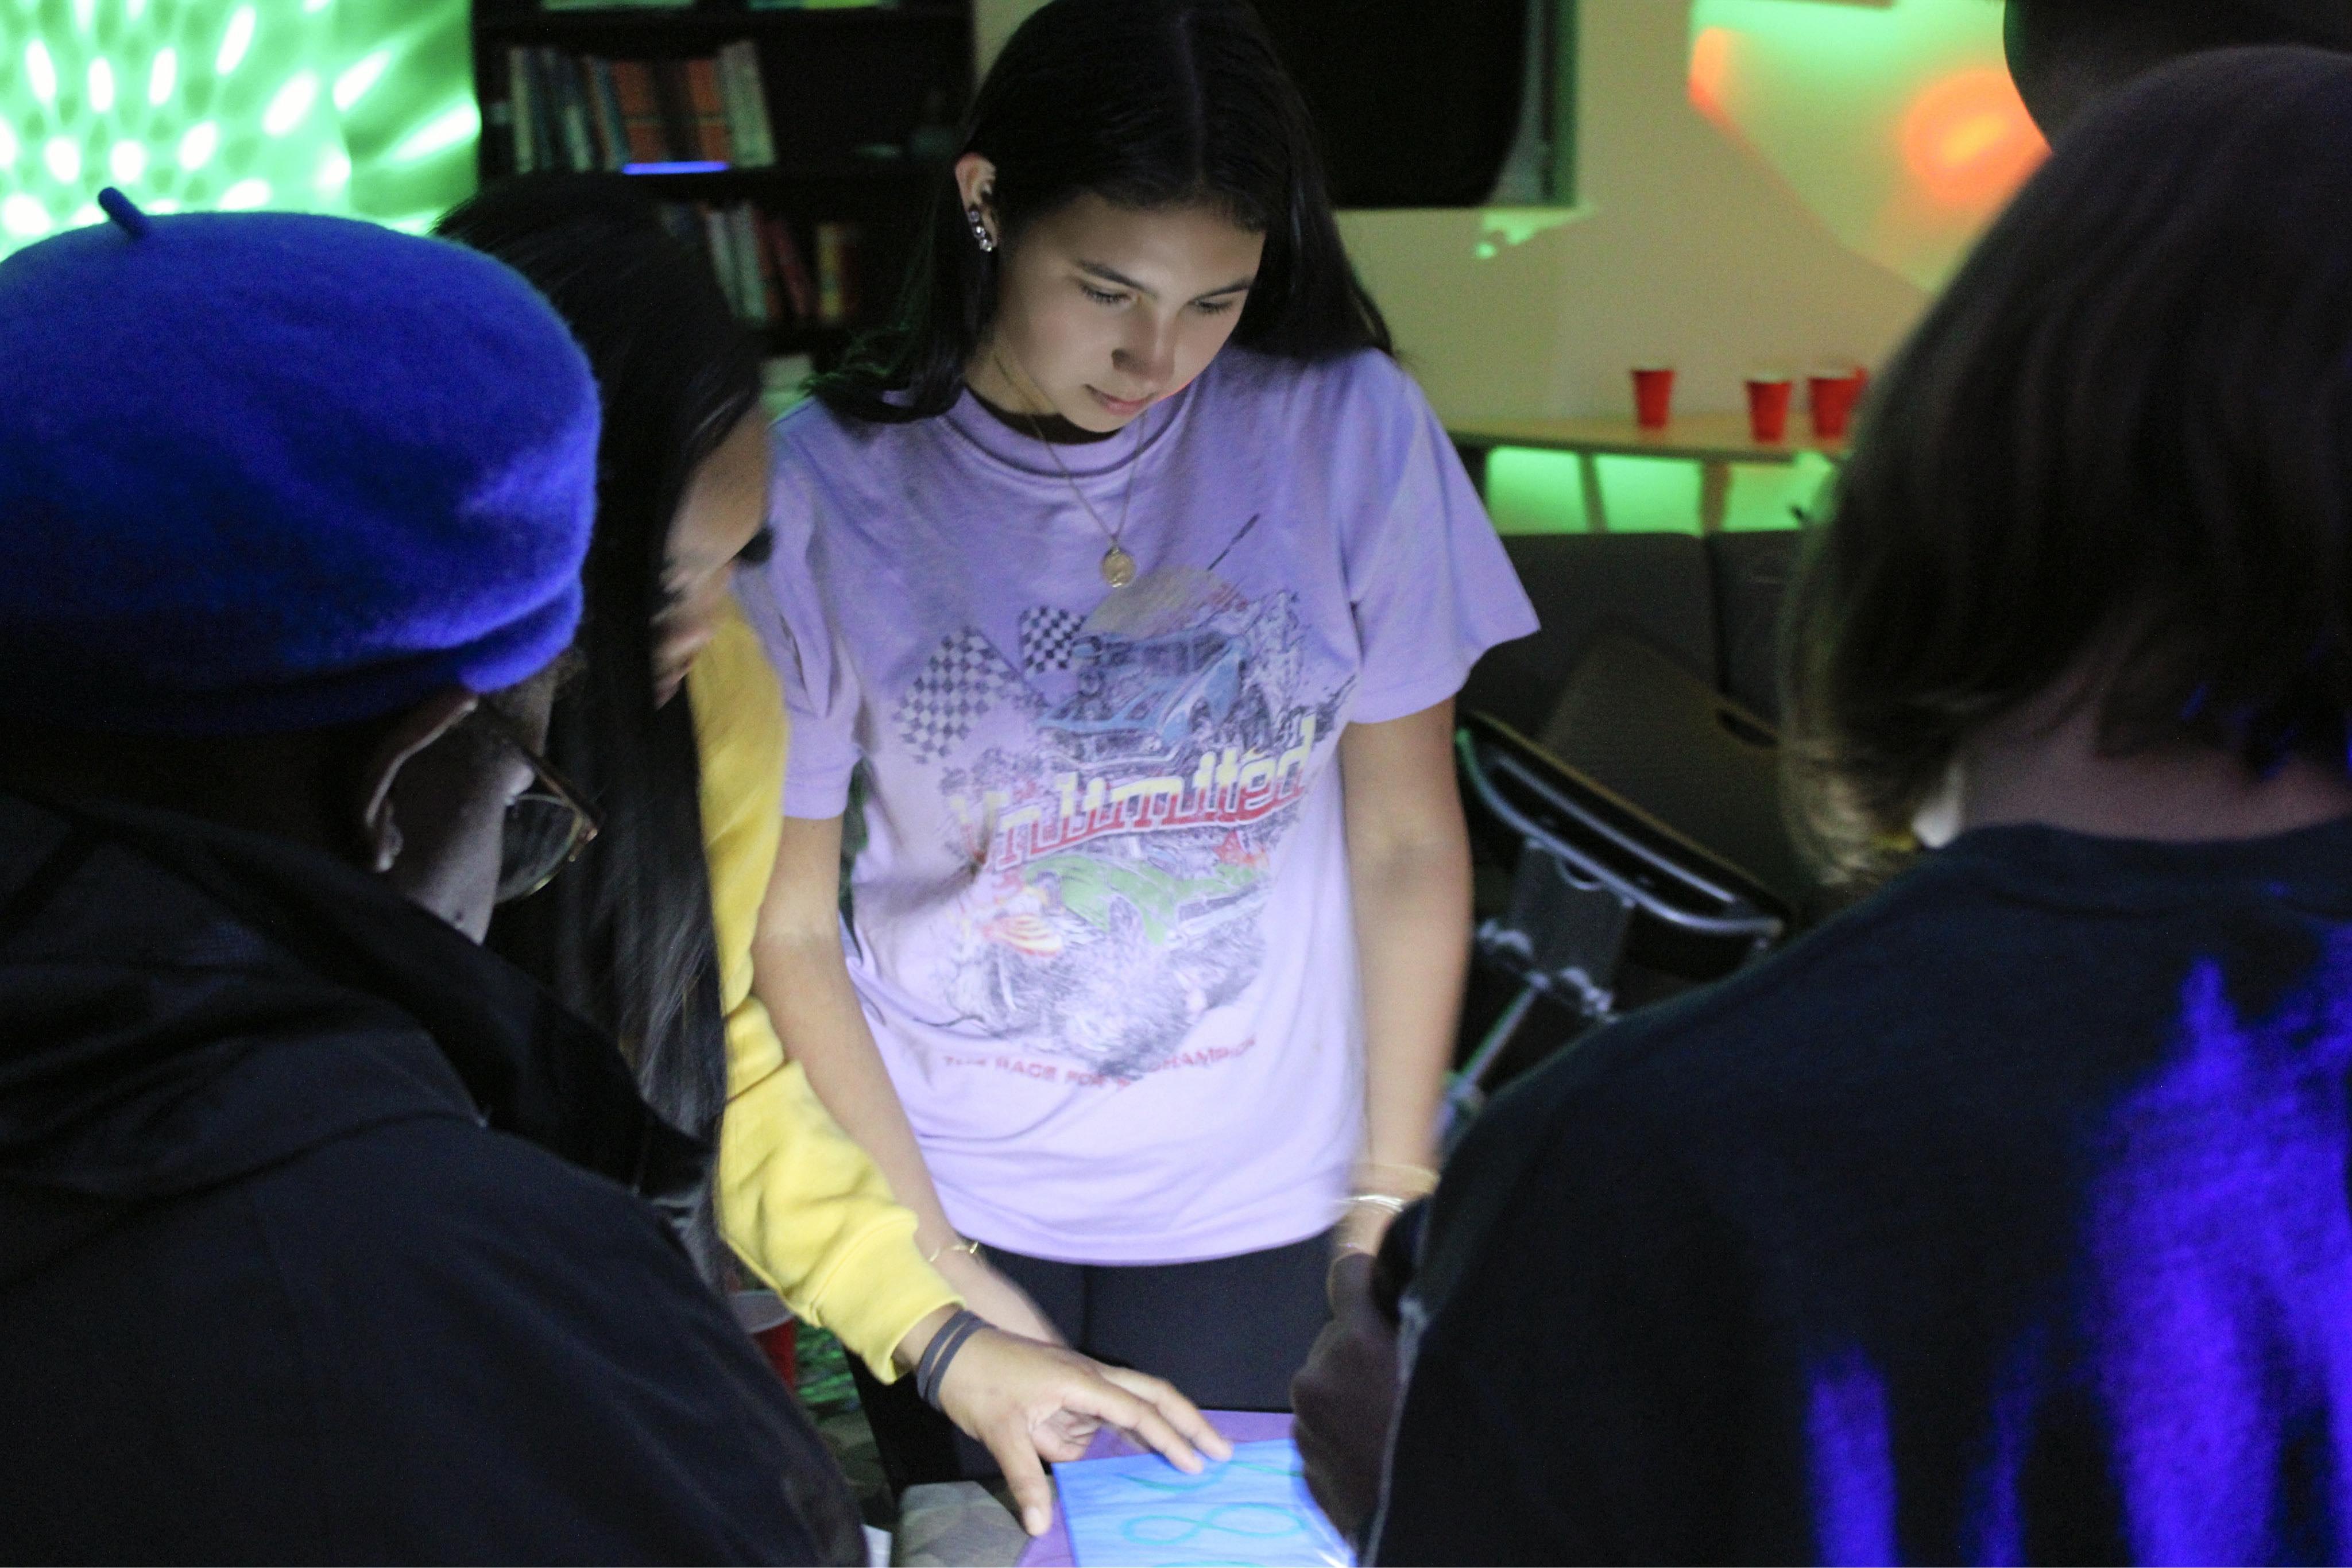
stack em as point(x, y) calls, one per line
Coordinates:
point(2121, 441)
point(625, 936)
point(1148, 104)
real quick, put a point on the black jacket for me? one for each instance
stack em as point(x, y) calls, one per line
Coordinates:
point(318, 1239)
point(2001, 1220)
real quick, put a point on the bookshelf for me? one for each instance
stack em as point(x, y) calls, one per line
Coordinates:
point(793, 144)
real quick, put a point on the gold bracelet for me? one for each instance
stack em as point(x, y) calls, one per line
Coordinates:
point(959, 1245)
point(1424, 1180)
point(1386, 1203)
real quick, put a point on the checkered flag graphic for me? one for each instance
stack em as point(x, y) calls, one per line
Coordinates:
point(1047, 634)
point(963, 679)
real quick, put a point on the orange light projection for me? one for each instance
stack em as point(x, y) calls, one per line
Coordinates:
point(1969, 141)
point(1710, 73)
point(1894, 123)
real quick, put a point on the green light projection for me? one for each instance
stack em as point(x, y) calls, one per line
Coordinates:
point(361, 107)
point(1535, 492)
point(1896, 123)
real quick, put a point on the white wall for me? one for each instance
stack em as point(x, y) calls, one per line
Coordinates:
point(1685, 250)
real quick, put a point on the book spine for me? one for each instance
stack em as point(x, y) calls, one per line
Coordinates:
point(743, 242)
point(730, 98)
point(604, 113)
point(791, 272)
point(762, 121)
point(640, 106)
point(520, 95)
point(747, 104)
point(719, 237)
point(547, 111)
point(710, 105)
point(837, 273)
point(772, 287)
point(562, 74)
point(678, 141)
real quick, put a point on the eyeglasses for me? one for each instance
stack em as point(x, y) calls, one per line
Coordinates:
point(546, 826)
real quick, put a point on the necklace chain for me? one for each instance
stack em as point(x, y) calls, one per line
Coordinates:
point(1117, 565)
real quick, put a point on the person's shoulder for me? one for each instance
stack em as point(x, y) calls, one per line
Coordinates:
point(1683, 1068)
point(455, 1201)
point(523, 1269)
point(1356, 375)
point(809, 425)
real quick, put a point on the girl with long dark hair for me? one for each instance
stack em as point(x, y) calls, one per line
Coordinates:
point(674, 728)
point(1096, 572)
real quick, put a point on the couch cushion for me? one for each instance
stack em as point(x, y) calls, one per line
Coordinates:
point(1752, 575)
point(1653, 587)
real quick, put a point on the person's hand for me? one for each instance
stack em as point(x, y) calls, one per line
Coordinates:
point(1004, 1304)
point(1028, 1402)
point(1345, 1398)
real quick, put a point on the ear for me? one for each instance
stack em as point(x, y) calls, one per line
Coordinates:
point(409, 734)
point(976, 186)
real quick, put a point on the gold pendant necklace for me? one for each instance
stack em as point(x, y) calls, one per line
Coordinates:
point(1117, 565)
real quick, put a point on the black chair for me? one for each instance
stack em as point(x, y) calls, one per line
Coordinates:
point(1599, 882)
point(1650, 687)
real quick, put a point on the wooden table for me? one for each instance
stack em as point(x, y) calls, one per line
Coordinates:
point(1713, 441)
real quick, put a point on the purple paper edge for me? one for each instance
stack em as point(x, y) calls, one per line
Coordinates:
point(1052, 1549)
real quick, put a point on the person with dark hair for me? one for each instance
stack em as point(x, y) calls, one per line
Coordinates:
point(675, 731)
point(324, 1236)
point(2066, 55)
point(2002, 1217)
point(1098, 570)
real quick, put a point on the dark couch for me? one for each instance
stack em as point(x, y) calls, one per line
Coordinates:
point(1711, 603)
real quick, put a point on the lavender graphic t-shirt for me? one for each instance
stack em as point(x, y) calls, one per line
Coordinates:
point(1102, 928)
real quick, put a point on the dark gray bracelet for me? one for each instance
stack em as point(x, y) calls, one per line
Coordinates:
point(931, 1370)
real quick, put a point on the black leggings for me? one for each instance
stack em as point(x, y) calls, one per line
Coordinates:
point(1228, 1331)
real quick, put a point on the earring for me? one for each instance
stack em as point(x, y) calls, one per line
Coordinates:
point(980, 235)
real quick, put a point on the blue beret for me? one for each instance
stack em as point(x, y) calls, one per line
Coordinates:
point(271, 471)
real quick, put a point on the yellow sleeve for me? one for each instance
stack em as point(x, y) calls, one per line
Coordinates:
point(798, 1200)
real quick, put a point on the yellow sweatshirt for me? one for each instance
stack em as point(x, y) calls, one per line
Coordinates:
point(798, 1200)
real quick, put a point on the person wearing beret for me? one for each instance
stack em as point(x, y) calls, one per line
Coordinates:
point(675, 727)
point(325, 1235)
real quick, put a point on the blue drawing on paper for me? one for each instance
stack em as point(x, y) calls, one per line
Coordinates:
point(1251, 1511)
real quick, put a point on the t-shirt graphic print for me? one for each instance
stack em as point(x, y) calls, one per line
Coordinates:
point(1121, 840)
point(1100, 919)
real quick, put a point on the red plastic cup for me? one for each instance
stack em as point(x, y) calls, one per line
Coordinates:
point(1768, 407)
point(1654, 396)
point(1832, 398)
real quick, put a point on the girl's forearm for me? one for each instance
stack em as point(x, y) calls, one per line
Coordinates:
point(1412, 940)
point(806, 989)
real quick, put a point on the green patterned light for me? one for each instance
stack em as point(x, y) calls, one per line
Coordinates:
point(362, 106)
point(236, 41)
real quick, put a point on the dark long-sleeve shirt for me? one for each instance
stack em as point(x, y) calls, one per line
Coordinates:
point(2001, 1220)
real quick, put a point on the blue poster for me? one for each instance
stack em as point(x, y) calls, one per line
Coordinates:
point(1251, 1511)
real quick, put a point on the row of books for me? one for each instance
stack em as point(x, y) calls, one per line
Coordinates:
point(761, 270)
point(583, 112)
